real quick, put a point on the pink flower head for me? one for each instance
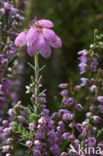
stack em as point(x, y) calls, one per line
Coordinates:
point(40, 38)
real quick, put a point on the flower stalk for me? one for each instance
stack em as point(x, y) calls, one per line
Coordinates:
point(36, 78)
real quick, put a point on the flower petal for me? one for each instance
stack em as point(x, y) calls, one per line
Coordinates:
point(32, 35)
point(44, 23)
point(32, 49)
point(49, 34)
point(46, 53)
point(21, 39)
point(56, 44)
point(43, 46)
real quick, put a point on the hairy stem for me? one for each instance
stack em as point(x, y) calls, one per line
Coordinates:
point(36, 79)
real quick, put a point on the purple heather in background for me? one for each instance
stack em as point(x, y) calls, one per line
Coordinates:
point(8, 74)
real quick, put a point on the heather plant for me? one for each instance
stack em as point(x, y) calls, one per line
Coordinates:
point(71, 19)
point(77, 125)
point(11, 19)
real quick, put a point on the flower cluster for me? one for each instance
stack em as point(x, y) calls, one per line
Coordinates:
point(39, 38)
point(86, 61)
point(10, 20)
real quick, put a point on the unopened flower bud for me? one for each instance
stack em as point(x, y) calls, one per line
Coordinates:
point(77, 88)
point(64, 92)
point(63, 85)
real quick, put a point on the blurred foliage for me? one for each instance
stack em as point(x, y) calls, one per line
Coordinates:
point(75, 21)
point(29, 9)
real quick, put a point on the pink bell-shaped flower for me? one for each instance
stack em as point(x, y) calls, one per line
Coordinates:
point(39, 38)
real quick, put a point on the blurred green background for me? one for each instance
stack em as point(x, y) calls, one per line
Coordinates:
point(75, 21)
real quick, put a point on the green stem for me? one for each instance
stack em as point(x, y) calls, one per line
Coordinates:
point(36, 79)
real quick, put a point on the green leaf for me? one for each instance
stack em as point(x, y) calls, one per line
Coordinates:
point(40, 78)
point(33, 80)
point(32, 100)
point(12, 61)
point(31, 66)
point(42, 92)
point(42, 68)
